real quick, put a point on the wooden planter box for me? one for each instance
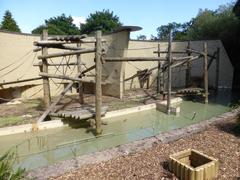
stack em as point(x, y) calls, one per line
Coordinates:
point(193, 165)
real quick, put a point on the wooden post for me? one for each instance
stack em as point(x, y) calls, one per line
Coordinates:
point(159, 83)
point(189, 65)
point(217, 68)
point(46, 86)
point(98, 92)
point(80, 84)
point(205, 71)
point(169, 72)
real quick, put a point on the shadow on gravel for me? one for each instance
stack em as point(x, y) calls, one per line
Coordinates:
point(167, 174)
point(231, 127)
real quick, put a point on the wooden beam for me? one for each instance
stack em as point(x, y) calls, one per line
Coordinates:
point(169, 73)
point(53, 55)
point(211, 60)
point(20, 81)
point(51, 107)
point(122, 59)
point(57, 64)
point(184, 62)
point(136, 75)
point(88, 69)
point(98, 95)
point(48, 43)
point(59, 77)
point(58, 46)
point(91, 40)
point(202, 53)
point(70, 78)
point(189, 67)
point(217, 68)
point(159, 72)
point(61, 46)
point(173, 52)
point(74, 38)
point(46, 85)
point(205, 72)
point(80, 85)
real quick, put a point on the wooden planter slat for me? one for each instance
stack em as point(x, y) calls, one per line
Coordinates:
point(193, 165)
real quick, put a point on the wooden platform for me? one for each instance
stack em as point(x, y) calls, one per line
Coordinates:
point(190, 91)
point(79, 113)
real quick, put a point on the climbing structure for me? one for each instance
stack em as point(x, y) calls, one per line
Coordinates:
point(164, 72)
point(61, 42)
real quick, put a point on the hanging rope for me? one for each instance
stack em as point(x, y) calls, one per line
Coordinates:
point(14, 68)
point(31, 64)
point(17, 60)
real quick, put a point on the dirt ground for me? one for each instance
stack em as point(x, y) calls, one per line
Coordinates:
point(28, 111)
point(219, 141)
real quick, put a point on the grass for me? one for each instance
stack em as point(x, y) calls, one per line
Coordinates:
point(10, 120)
point(7, 171)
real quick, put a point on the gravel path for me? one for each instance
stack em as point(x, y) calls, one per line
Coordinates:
point(220, 141)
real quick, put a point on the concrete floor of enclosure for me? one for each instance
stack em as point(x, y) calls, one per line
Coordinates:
point(46, 147)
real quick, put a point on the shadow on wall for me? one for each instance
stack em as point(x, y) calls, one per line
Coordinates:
point(14, 92)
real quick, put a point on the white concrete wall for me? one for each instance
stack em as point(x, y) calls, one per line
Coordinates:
point(16, 49)
point(13, 47)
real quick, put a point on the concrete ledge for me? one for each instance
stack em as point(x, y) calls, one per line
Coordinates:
point(58, 123)
point(174, 106)
point(31, 127)
point(129, 110)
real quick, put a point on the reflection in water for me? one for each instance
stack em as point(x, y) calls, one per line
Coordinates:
point(50, 146)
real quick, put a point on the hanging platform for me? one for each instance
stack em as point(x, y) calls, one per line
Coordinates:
point(79, 113)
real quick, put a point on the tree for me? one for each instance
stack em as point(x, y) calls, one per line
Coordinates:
point(236, 8)
point(60, 25)
point(104, 20)
point(178, 31)
point(141, 37)
point(8, 23)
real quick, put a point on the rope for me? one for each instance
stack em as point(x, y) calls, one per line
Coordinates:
point(13, 69)
point(35, 55)
point(17, 60)
point(36, 92)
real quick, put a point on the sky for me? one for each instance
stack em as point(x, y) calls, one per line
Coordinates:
point(148, 14)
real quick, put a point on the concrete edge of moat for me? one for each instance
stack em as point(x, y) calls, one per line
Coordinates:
point(129, 148)
point(26, 128)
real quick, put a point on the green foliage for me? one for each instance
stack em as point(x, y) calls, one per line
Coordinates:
point(60, 25)
point(179, 31)
point(6, 168)
point(8, 23)
point(236, 8)
point(220, 24)
point(142, 37)
point(235, 105)
point(104, 20)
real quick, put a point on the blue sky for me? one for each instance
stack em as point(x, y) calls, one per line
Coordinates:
point(148, 14)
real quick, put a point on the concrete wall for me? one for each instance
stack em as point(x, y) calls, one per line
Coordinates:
point(17, 59)
point(146, 48)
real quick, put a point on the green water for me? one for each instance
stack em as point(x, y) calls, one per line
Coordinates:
point(51, 146)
